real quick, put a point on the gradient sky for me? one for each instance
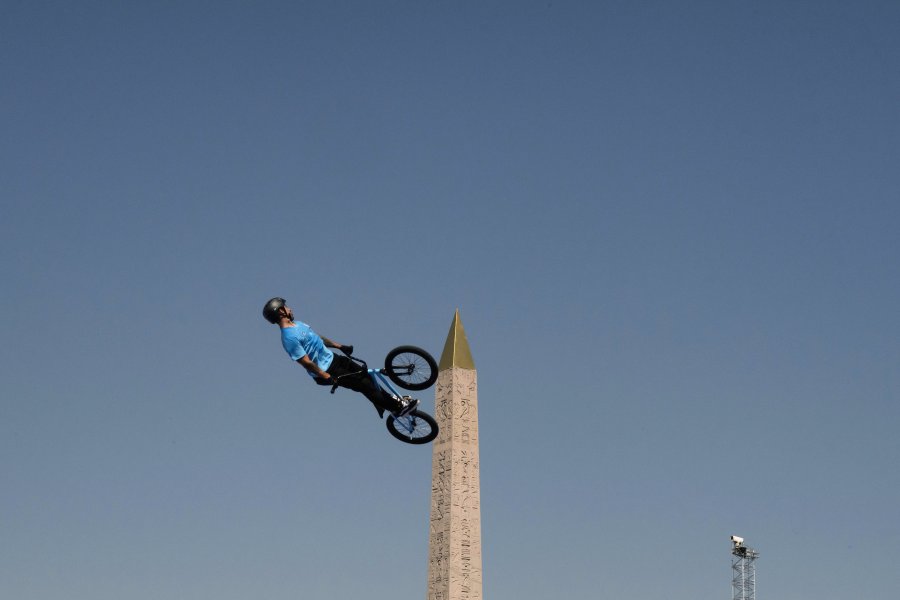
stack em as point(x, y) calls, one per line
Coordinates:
point(671, 230)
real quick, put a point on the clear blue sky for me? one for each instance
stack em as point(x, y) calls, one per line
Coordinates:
point(671, 230)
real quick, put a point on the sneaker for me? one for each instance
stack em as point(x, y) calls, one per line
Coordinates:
point(407, 405)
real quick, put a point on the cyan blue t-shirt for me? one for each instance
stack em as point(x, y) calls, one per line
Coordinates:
point(300, 340)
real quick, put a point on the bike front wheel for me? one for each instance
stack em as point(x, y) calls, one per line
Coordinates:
point(415, 428)
point(411, 368)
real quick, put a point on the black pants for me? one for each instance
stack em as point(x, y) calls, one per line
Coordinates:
point(357, 379)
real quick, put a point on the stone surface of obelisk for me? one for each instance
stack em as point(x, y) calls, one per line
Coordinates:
point(454, 560)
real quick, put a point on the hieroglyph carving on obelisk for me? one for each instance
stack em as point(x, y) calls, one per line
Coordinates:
point(454, 560)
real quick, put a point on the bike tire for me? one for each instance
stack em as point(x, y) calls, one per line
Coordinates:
point(424, 370)
point(415, 428)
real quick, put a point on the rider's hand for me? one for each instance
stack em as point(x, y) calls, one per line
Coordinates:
point(347, 349)
point(330, 380)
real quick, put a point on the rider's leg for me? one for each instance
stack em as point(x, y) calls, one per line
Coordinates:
point(360, 381)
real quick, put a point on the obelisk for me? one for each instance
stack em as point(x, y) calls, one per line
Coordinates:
point(454, 549)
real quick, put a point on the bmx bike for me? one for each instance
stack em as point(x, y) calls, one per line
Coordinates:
point(410, 368)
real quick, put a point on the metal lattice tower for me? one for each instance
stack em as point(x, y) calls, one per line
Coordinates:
point(743, 568)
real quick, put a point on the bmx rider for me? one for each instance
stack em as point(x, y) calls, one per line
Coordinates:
point(311, 351)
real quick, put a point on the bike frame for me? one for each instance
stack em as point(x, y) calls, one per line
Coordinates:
point(407, 427)
point(378, 377)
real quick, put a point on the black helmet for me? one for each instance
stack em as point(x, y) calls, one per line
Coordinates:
point(270, 310)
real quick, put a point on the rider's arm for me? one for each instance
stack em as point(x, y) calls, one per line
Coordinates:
point(312, 367)
point(330, 344)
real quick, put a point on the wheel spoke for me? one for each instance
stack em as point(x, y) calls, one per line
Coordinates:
point(420, 369)
point(411, 427)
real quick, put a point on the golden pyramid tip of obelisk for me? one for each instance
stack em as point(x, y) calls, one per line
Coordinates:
point(456, 348)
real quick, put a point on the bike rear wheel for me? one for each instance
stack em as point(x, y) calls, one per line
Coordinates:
point(411, 368)
point(415, 428)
